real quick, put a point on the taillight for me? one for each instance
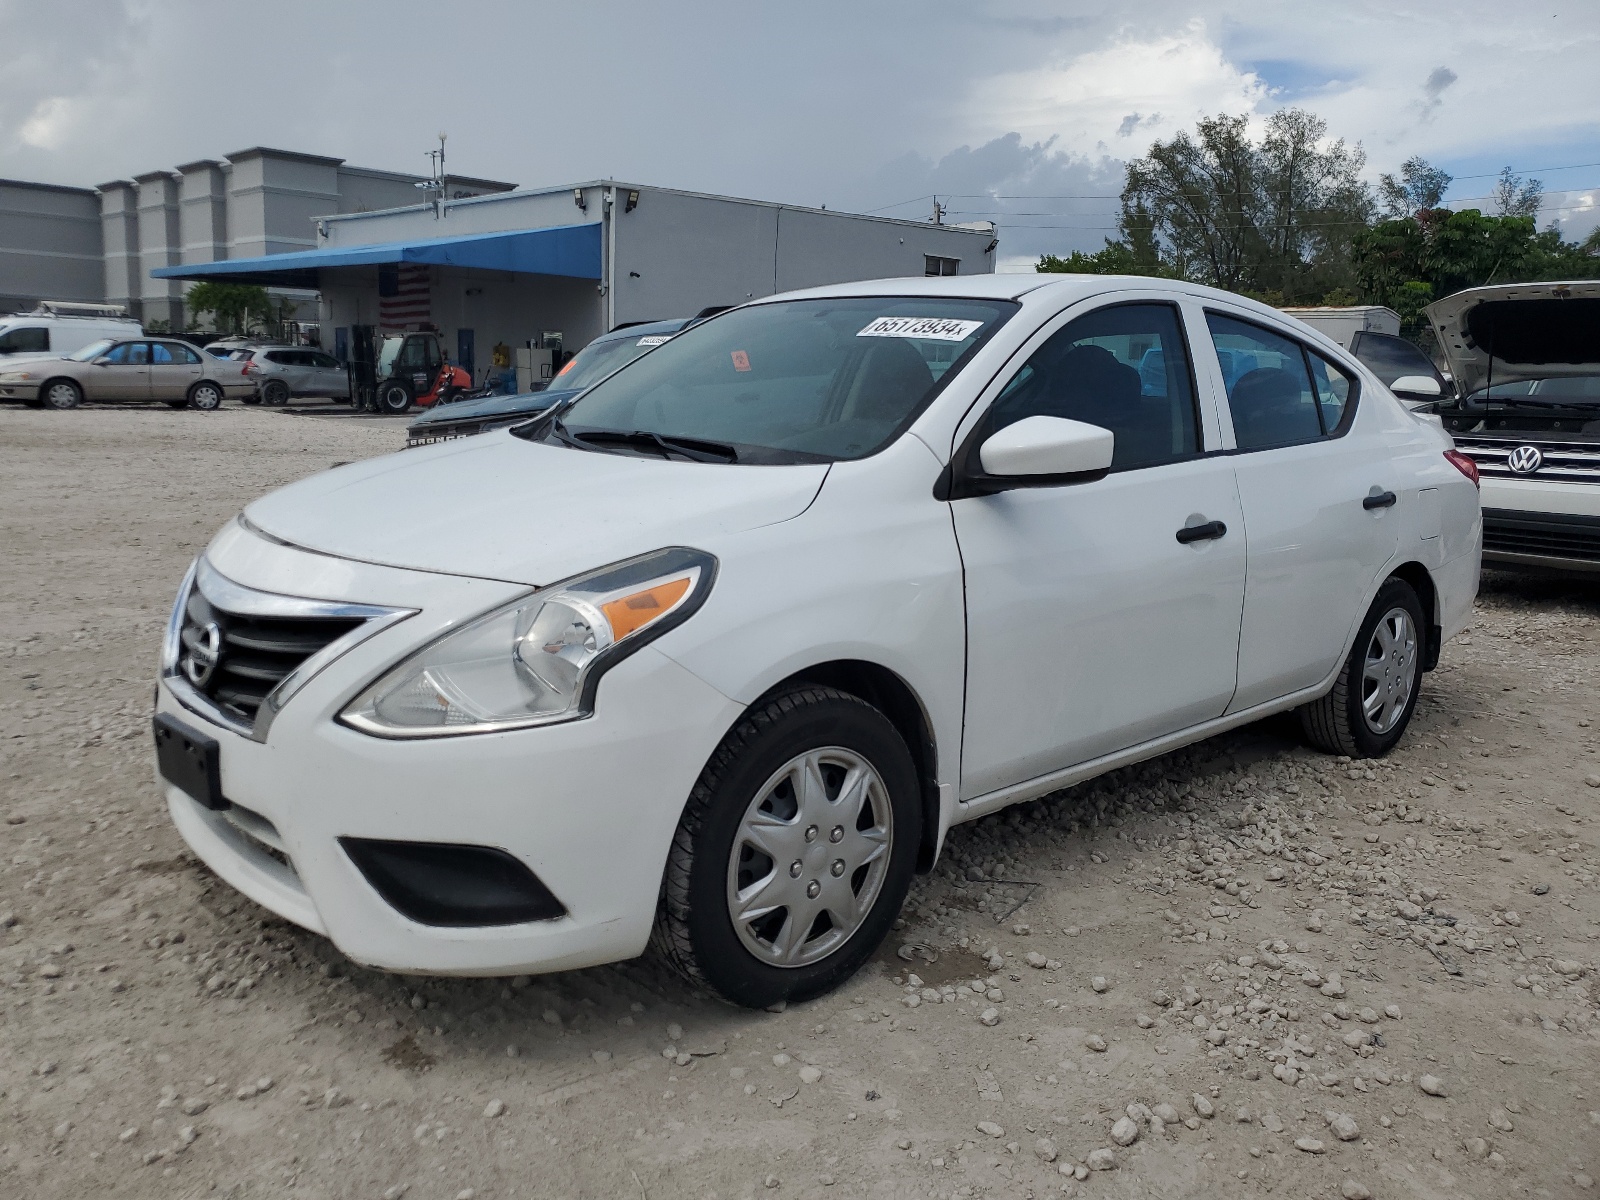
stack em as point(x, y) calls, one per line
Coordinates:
point(250, 369)
point(1463, 464)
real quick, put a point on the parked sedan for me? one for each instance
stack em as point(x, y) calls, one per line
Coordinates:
point(128, 369)
point(282, 372)
point(716, 654)
point(590, 365)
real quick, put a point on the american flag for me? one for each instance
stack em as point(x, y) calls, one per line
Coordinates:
point(404, 296)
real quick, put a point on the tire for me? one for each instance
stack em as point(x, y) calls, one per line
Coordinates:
point(274, 391)
point(394, 397)
point(253, 398)
point(1371, 703)
point(205, 396)
point(795, 948)
point(60, 394)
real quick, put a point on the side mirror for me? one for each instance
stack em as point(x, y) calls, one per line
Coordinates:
point(1417, 385)
point(1047, 450)
point(1033, 452)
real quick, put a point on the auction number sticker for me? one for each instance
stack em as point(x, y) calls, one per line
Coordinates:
point(936, 329)
point(653, 339)
point(741, 361)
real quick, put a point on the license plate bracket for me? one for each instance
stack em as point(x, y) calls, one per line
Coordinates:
point(190, 760)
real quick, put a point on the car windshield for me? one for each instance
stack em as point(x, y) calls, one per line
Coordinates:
point(1575, 390)
point(598, 359)
point(387, 353)
point(92, 351)
point(792, 381)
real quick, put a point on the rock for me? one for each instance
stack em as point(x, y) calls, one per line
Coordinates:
point(194, 1106)
point(128, 1134)
point(1098, 983)
point(1144, 1021)
point(1103, 1159)
point(334, 1098)
point(1046, 1150)
point(1368, 1016)
point(1343, 1125)
point(1271, 1122)
point(1351, 1190)
point(1275, 874)
point(1584, 1180)
point(810, 1074)
point(1244, 1116)
point(495, 1108)
point(771, 1181)
point(1432, 1085)
point(1357, 1038)
point(1476, 1148)
point(1392, 1011)
point(990, 1017)
point(1202, 1106)
point(1592, 780)
point(781, 1060)
point(1125, 1132)
point(1310, 1145)
point(1501, 1120)
point(674, 1032)
point(1511, 918)
point(1036, 960)
point(601, 1056)
point(1096, 1043)
point(63, 1129)
point(990, 1129)
point(1166, 1113)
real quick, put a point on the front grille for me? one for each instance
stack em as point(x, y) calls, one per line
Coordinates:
point(1563, 462)
point(1548, 535)
point(236, 659)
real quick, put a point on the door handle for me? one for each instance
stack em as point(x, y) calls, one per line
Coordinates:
point(1201, 533)
point(1379, 500)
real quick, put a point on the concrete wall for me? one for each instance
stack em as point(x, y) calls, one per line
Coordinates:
point(119, 228)
point(203, 211)
point(160, 245)
point(274, 198)
point(50, 246)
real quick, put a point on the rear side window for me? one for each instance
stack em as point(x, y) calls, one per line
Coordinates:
point(160, 353)
point(1123, 368)
point(185, 355)
point(1391, 358)
point(1274, 399)
point(31, 340)
point(326, 361)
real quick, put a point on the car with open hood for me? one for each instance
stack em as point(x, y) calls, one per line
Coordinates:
point(712, 654)
point(590, 365)
point(1526, 360)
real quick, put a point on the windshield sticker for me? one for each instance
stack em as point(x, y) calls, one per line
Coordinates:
point(741, 361)
point(936, 329)
point(654, 339)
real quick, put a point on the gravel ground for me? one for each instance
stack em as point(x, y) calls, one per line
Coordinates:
point(1242, 969)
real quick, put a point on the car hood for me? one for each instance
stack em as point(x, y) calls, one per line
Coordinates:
point(27, 360)
point(527, 403)
point(498, 507)
point(1533, 330)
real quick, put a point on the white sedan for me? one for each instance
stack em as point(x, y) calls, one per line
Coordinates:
point(715, 654)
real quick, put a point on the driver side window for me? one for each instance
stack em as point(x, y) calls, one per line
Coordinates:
point(129, 354)
point(1124, 368)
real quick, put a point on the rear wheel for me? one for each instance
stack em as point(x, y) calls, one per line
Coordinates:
point(253, 398)
point(61, 393)
point(794, 852)
point(205, 396)
point(394, 397)
point(1371, 703)
point(275, 391)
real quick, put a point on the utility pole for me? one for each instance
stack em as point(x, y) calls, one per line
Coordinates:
point(938, 212)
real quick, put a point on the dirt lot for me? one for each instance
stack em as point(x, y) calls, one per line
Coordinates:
point(1264, 970)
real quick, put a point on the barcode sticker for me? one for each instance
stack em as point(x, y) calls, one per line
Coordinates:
point(936, 329)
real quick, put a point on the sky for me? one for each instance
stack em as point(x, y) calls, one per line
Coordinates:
point(1018, 111)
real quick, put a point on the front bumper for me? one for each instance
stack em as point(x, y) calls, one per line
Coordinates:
point(1541, 524)
point(590, 807)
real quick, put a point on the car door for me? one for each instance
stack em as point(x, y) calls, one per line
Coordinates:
point(121, 373)
point(174, 369)
point(328, 376)
point(1318, 489)
point(1096, 618)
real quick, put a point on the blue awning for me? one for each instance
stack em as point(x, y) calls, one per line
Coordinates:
point(570, 250)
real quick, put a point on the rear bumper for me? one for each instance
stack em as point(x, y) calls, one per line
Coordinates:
point(1546, 540)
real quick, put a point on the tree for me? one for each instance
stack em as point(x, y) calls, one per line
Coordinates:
point(1421, 186)
point(1515, 196)
point(1270, 217)
point(237, 307)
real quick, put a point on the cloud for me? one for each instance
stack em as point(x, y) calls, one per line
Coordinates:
point(1433, 89)
point(49, 124)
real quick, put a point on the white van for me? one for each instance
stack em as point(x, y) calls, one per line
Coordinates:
point(56, 329)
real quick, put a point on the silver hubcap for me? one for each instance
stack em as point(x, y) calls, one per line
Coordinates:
point(61, 396)
point(1390, 671)
point(810, 857)
point(205, 397)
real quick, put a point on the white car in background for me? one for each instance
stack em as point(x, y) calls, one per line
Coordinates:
point(1527, 359)
point(717, 651)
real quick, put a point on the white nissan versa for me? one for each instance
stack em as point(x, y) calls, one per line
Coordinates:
point(717, 651)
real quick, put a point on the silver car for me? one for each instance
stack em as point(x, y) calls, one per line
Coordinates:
point(282, 372)
point(135, 368)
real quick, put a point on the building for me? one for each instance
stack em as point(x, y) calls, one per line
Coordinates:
point(565, 264)
point(69, 243)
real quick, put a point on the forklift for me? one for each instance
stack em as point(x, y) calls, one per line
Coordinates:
point(410, 369)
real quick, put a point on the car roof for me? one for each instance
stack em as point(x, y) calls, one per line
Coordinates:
point(644, 329)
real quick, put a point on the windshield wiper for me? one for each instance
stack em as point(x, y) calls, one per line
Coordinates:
point(1525, 402)
point(694, 449)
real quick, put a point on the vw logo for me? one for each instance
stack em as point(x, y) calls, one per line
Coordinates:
point(205, 651)
point(1525, 460)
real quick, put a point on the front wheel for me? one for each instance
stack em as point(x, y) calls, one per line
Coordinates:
point(795, 850)
point(61, 394)
point(394, 398)
point(1371, 703)
point(206, 397)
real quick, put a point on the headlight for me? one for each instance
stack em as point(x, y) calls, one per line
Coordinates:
point(15, 376)
point(539, 659)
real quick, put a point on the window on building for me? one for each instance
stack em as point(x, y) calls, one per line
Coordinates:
point(932, 264)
